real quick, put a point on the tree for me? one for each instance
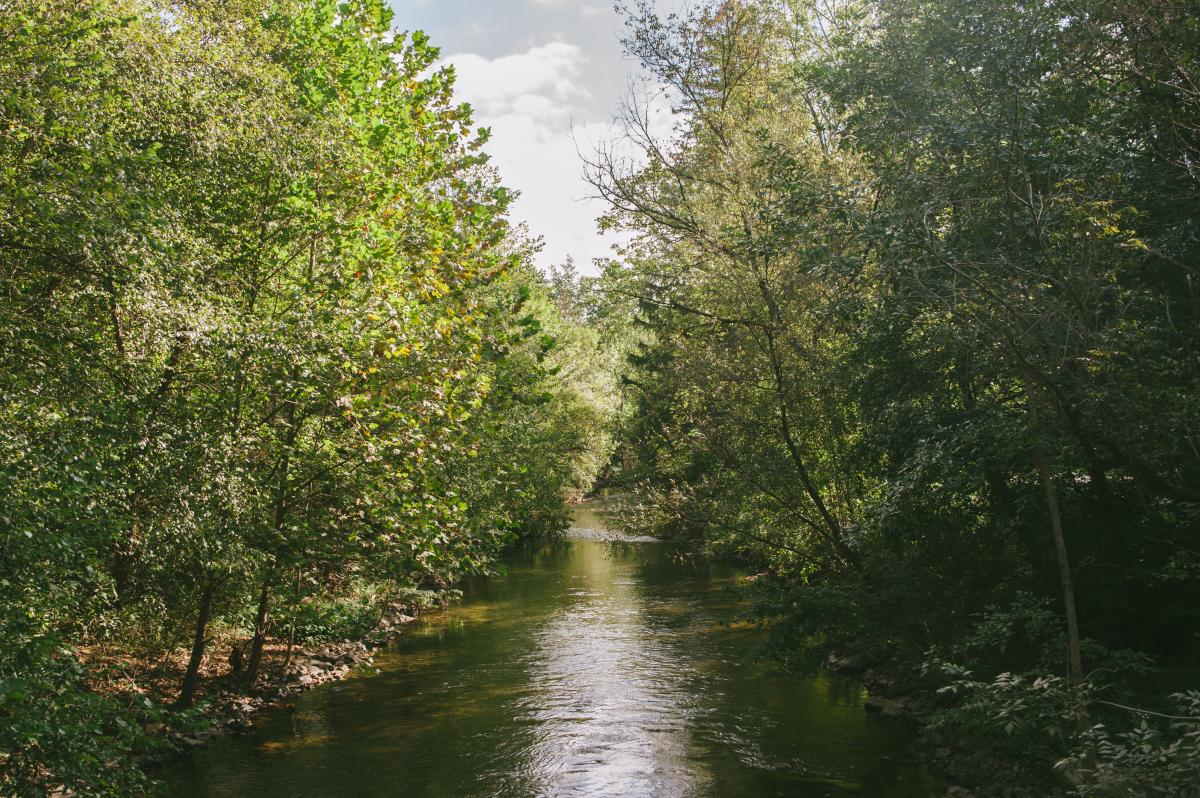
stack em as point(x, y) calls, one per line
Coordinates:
point(253, 282)
point(921, 321)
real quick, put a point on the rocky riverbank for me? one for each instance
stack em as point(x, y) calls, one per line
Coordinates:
point(230, 707)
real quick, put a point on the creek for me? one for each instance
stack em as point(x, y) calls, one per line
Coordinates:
point(592, 667)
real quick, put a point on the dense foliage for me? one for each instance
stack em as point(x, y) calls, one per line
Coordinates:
point(270, 357)
point(910, 305)
point(920, 286)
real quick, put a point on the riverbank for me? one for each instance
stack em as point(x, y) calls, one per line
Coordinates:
point(225, 703)
point(587, 668)
point(969, 770)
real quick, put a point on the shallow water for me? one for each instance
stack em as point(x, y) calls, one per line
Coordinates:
point(593, 668)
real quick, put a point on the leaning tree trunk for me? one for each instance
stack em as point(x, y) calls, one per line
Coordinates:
point(187, 690)
point(281, 508)
point(260, 629)
point(1066, 584)
point(291, 642)
point(1074, 651)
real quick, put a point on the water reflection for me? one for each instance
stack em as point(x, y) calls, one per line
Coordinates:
point(611, 708)
point(591, 669)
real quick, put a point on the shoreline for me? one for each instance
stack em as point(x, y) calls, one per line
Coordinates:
point(967, 771)
point(229, 707)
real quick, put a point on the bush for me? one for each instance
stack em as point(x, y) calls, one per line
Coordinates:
point(330, 617)
point(55, 732)
point(1160, 756)
point(1037, 723)
point(353, 613)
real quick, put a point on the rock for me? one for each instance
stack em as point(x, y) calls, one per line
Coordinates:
point(888, 707)
point(972, 770)
point(852, 663)
point(153, 760)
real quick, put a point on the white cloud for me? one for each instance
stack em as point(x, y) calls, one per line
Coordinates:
point(549, 71)
point(537, 110)
point(586, 8)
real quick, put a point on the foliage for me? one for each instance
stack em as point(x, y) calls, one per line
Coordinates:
point(352, 611)
point(51, 723)
point(1152, 758)
point(258, 344)
point(545, 432)
point(1018, 716)
point(919, 312)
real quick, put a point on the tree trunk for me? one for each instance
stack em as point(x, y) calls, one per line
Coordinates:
point(291, 643)
point(832, 532)
point(1074, 652)
point(281, 503)
point(187, 690)
point(1064, 575)
point(260, 629)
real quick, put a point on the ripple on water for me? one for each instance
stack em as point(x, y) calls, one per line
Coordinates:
point(596, 667)
point(606, 535)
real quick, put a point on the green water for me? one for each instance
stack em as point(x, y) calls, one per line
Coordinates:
point(590, 669)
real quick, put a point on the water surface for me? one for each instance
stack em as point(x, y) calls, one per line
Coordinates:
point(592, 668)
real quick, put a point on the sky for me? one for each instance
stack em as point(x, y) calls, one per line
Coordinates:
point(547, 77)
